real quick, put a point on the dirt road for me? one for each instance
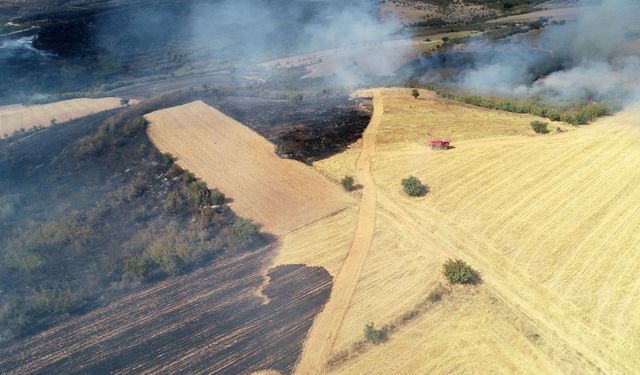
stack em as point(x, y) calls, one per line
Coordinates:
point(325, 329)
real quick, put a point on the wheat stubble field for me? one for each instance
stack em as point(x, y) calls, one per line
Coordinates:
point(281, 195)
point(551, 222)
point(16, 117)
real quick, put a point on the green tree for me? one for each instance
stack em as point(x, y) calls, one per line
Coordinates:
point(415, 93)
point(347, 183)
point(459, 272)
point(414, 187)
point(374, 335)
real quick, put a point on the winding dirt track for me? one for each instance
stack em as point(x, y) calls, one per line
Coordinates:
point(323, 334)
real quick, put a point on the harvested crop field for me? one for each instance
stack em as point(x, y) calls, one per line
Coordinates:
point(549, 221)
point(225, 318)
point(17, 117)
point(281, 195)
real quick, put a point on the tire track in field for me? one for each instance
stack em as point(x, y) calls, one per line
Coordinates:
point(319, 344)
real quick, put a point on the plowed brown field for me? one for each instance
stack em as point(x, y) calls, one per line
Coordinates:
point(16, 117)
point(279, 194)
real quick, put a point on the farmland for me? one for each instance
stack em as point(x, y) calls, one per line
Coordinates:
point(210, 321)
point(16, 117)
point(281, 195)
point(549, 222)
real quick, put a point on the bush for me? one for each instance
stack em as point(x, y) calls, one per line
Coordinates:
point(413, 187)
point(133, 126)
point(374, 335)
point(174, 171)
point(216, 198)
point(199, 192)
point(459, 272)
point(135, 188)
point(415, 93)
point(173, 203)
point(347, 183)
point(244, 233)
point(539, 127)
point(434, 297)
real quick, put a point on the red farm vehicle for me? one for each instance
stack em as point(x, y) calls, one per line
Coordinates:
point(439, 144)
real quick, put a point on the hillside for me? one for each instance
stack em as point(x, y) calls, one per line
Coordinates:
point(280, 195)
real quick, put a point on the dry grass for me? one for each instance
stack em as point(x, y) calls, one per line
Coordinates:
point(550, 221)
point(16, 117)
point(312, 246)
point(281, 195)
point(416, 120)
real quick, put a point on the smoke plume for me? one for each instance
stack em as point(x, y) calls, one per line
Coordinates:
point(580, 60)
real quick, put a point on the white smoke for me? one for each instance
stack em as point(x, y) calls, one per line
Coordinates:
point(587, 49)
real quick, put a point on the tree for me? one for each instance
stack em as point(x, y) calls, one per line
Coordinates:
point(415, 93)
point(374, 335)
point(459, 272)
point(347, 183)
point(124, 102)
point(413, 187)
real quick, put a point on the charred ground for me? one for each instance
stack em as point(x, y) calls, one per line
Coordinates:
point(215, 317)
point(306, 130)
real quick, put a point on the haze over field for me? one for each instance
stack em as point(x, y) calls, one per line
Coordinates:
point(583, 49)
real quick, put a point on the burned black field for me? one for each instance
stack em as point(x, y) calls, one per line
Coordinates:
point(308, 131)
point(218, 319)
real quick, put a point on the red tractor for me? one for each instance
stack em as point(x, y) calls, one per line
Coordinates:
point(439, 144)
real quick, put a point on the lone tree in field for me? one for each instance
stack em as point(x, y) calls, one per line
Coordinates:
point(414, 187)
point(459, 272)
point(415, 93)
point(539, 127)
point(347, 183)
point(374, 335)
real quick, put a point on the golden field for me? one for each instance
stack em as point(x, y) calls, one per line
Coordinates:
point(550, 221)
point(280, 195)
point(16, 117)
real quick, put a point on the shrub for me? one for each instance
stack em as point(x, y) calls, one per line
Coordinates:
point(413, 187)
point(173, 203)
point(459, 272)
point(174, 171)
point(347, 183)
point(136, 188)
point(199, 192)
point(216, 198)
point(434, 297)
point(374, 335)
point(415, 93)
point(244, 233)
point(134, 125)
point(539, 127)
